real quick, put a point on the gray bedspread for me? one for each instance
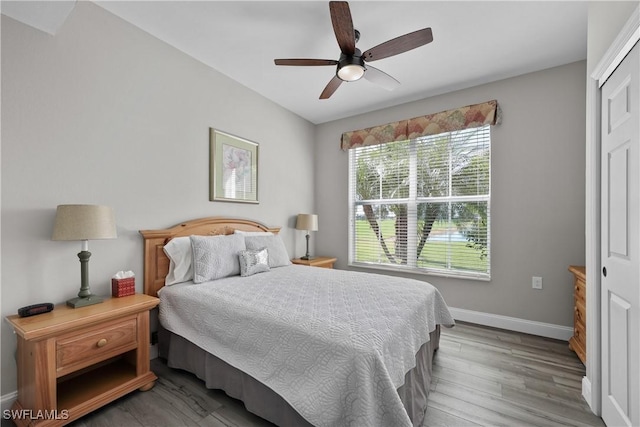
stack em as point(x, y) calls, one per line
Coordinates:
point(336, 345)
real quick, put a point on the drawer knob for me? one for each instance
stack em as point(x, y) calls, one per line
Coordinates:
point(102, 342)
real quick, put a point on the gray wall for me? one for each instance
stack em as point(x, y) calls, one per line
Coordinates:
point(104, 113)
point(537, 202)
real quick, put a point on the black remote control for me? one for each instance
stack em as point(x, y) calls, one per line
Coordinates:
point(32, 310)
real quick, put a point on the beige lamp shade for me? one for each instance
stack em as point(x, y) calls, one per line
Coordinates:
point(307, 222)
point(84, 222)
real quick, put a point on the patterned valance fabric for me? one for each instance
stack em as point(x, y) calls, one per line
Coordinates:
point(396, 131)
point(487, 113)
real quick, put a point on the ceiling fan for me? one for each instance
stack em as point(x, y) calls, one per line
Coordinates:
point(351, 65)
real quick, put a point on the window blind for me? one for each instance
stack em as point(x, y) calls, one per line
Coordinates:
point(423, 204)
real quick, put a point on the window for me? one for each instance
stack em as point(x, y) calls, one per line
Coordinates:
point(423, 204)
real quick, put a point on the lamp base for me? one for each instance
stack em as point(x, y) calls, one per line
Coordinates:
point(307, 258)
point(78, 302)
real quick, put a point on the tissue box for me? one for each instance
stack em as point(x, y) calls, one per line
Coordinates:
point(123, 287)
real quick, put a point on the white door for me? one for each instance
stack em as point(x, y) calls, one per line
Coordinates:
point(621, 244)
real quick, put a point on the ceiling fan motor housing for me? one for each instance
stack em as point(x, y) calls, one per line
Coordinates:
point(351, 67)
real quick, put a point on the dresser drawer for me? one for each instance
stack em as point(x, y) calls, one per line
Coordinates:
point(579, 290)
point(579, 340)
point(580, 336)
point(580, 314)
point(95, 345)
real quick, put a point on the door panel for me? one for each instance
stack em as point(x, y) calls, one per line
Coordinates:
point(618, 204)
point(619, 352)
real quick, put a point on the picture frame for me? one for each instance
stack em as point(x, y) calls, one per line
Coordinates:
point(233, 168)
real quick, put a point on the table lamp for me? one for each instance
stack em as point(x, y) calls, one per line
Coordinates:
point(84, 223)
point(308, 222)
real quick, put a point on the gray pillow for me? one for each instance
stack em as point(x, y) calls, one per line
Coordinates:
point(278, 255)
point(215, 257)
point(253, 262)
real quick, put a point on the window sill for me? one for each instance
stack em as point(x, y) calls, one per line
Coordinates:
point(414, 270)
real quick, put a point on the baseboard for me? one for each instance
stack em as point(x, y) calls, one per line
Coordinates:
point(513, 324)
point(586, 392)
point(7, 400)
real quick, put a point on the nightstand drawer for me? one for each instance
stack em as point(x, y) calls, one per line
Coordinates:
point(95, 345)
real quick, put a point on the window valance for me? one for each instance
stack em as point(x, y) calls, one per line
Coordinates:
point(487, 113)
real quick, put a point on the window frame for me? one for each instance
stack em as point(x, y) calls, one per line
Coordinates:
point(412, 202)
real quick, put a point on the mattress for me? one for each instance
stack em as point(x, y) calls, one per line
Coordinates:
point(335, 345)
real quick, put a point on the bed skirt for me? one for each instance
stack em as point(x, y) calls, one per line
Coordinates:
point(264, 402)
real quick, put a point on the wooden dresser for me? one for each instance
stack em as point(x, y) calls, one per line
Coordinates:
point(578, 342)
point(74, 360)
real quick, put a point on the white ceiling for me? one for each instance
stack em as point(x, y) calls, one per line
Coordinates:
point(45, 16)
point(475, 42)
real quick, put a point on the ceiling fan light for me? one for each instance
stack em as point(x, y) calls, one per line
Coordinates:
point(351, 72)
point(351, 67)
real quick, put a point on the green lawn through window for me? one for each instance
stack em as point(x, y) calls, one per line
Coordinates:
point(434, 254)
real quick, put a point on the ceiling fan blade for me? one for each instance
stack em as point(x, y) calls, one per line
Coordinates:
point(343, 26)
point(305, 62)
point(380, 78)
point(399, 45)
point(331, 87)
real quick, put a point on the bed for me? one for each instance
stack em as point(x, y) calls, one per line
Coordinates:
point(298, 345)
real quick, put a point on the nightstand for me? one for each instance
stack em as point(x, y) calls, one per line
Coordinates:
point(72, 361)
point(321, 261)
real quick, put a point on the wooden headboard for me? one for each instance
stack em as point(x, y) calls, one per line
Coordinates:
point(156, 262)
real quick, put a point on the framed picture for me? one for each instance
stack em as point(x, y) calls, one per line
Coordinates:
point(233, 168)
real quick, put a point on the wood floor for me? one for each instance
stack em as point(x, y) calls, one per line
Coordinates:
point(482, 376)
point(485, 376)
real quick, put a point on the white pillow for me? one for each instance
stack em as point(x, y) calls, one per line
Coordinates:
point(215, 257)
point(180, 266)
point(278, 256)
point(253, 233)
point(253, 262)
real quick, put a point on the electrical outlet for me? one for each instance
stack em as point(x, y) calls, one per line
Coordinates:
point(536, 282)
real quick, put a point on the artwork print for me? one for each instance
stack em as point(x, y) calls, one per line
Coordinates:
point(233, 169)
point(236, 170)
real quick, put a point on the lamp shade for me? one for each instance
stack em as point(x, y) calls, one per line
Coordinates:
point(307, 222)
point(84, 222)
